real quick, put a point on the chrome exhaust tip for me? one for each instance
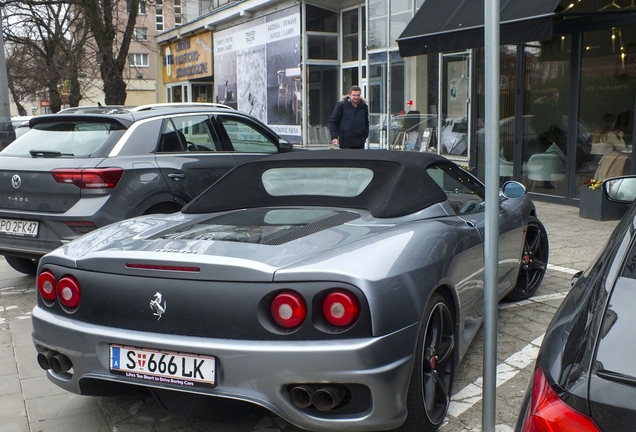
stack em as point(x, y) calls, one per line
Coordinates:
point(60, 363)
point(301, 395)
point(44, 359)
point(328, 397)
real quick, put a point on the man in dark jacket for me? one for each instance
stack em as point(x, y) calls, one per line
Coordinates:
point(349, 123)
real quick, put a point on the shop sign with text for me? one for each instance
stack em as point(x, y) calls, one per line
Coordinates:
point(189, 58)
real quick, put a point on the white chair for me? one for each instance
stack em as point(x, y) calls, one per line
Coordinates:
point(296, 101)
point(545, 167)
point(505, 167)
point(282, 88)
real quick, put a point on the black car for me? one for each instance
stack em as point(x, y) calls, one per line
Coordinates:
point(585, 374)
point(73, 173)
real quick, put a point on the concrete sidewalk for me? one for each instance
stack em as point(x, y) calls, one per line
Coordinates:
point(29, 402)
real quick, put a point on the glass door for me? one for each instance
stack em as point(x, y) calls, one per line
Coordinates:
point(377, 100)
point(454, 120)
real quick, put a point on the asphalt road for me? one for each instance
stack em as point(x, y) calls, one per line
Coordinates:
point(573, 242)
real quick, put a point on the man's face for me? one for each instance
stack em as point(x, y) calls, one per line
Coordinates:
point(354, 96)
point(555, 97)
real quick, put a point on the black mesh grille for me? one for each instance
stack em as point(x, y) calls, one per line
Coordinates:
point(331, 221)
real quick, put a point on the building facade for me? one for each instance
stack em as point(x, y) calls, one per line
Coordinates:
point(559, 61)
point(280, 61)
point(289, 62)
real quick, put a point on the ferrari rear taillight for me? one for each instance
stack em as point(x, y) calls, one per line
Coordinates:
point(68, 292)
point(89, 178)
point(288, 309)
point(340, 308)
point(46, 285)
point(548, 413)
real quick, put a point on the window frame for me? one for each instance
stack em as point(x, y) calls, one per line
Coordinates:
point(139, 56)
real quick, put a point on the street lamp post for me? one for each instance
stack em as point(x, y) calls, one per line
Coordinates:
point(7, 133)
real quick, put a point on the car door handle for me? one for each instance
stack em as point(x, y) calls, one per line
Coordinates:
point(177, 177)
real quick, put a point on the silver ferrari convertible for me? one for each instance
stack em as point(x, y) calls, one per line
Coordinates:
point(337, 288)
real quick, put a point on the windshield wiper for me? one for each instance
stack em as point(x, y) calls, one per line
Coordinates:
point(48, 154)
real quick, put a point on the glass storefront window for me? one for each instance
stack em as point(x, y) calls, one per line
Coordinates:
point(350, 36)
point(321, 20)
point(323, 80)
point(606, 109)
point(376, 98)
point(322, 47)
point(507, 122)
point(545, 122)
point(455, 105)
point(177, 95)
point(349, 78)
point(202, 93)
point(397, 95)
point(378, 23)
point(398, 24)
point(363, 40)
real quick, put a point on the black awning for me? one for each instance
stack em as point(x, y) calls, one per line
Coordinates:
point(454, 25)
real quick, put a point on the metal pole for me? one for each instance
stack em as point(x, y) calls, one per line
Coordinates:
point(491, 247)
point(7, 133)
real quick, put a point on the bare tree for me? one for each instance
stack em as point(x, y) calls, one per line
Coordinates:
point(112, 44)
point(56, 31)
point(47, 39)
point(19, 72)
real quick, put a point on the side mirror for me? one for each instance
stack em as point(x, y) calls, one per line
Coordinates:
point(513, 189)
point(620, 189)
point(575, 278)
point(284, 146)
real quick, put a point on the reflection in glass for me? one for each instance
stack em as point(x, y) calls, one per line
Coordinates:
point(608, 76)
point(545, 108)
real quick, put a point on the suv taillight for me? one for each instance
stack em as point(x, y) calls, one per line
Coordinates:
point(548, 413)
point(89, 178)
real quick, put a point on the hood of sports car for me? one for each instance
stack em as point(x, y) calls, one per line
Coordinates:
point(246, 245)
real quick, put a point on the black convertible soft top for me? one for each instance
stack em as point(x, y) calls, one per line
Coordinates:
point(400, 184)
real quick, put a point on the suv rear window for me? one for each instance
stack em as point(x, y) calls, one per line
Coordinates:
point(64, 139)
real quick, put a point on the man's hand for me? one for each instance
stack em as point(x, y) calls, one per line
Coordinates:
point(335, 142)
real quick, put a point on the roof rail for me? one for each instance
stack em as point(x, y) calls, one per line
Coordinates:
point(154, 106)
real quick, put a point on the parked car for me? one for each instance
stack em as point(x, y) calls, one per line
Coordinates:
point(585, 378)
point(20, 125)
point(339, 290)
point(73, 173)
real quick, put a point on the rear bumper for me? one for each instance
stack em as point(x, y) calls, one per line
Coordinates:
point(53, 232)
point(259, 372)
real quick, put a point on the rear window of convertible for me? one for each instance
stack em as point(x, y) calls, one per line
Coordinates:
point(323, 181)
point(64, 139)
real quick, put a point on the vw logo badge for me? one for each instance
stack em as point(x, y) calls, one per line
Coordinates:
point(16, 181)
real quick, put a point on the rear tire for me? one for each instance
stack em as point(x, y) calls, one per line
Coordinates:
point(431, 382)
point(23, 265)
